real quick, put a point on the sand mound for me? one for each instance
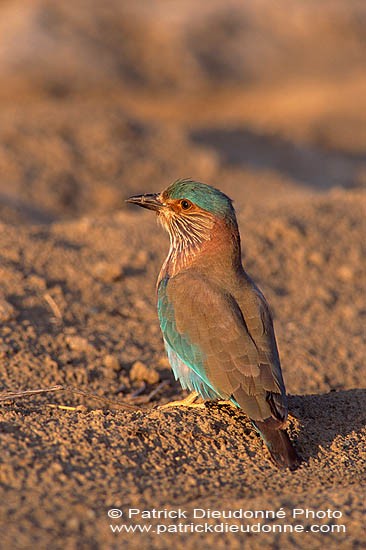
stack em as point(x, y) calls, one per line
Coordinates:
point(80, 463)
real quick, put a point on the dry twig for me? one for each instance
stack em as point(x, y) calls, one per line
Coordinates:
point(51, 302)
point(9, 396)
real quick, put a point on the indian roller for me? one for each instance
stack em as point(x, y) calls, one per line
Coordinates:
point(216, 324)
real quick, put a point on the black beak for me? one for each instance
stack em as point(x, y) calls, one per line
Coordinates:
point(149, 200)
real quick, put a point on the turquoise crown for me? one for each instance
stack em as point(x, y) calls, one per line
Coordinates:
point(203, 195)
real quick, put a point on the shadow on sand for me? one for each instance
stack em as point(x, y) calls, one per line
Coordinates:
point(320, 418)
point(320, 169)
point(324, 417)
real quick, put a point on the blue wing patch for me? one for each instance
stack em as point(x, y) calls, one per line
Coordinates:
point(187, 377)
point(186, 359)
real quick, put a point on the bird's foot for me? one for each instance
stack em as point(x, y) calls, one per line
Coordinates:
point(186, 402)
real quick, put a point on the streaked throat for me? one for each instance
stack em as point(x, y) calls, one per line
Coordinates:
point(188, 233)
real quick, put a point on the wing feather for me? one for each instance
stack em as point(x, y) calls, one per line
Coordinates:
point(231, 349)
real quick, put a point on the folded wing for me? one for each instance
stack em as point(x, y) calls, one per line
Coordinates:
point(218, 351)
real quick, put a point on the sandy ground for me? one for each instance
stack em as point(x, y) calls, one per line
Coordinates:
point(78, 267)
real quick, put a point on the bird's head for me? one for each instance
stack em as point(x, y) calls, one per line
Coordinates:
point(188, 210)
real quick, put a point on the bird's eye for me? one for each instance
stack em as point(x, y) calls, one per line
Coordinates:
point(186, 205)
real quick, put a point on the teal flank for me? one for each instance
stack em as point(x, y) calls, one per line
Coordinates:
point(216, 324)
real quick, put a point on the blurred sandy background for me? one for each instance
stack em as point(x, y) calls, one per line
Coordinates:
point(100, 100)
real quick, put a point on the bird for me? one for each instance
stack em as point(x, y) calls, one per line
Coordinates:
point(216, 324)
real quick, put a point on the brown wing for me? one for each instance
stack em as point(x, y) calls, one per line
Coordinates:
point(239, 356)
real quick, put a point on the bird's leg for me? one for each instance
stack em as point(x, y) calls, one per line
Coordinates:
point(186, 402)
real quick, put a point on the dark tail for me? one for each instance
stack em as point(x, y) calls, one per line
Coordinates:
point(279, 445)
